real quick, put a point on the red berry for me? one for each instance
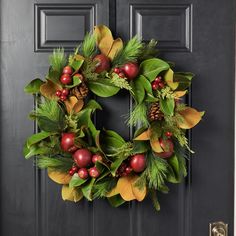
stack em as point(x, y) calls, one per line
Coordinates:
point(58, 93)
point(82, 157)
point(131, 70)
point(138, 162)
point(80, 76)
point(161, 85)
point(63, 98)
point(158, 79)
point(155, 85)
point(117, 70)
point(128, 170)
point(103, 63)
point(67, 70)
point(71, 172)
point(74, 168)
point(121, 75)
point(65, 92)
point(65, 79)
point(94, 172)
point(168, 134)
point(83, 173)
point(67, 141)
point(96, 157)
point(72, 149)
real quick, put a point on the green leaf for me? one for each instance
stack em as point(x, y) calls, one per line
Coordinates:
point(34, 150)
point(33, 86)
point(140, 147)
point(167, 106)
point(116, 200)
point(75, 82)
point(184, 79)
point(116, 164)
point(103, 88)
point(76, 181)
point(138, 89)
point(48, 125)
point(35, 138)
point(53, 75)
point(87, 189)
point(174, 175)
point(152, 67)
point(76, 64)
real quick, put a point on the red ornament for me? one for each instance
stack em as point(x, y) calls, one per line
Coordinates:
point(58, 93)
point(168, 147)
point(96, 157)
point(94, 172)
point(138, 162)
point(65, 92)
point(63, 98)
point(67, 70)
point(155, 85)
point(131, 70)
point(67, 141)
point(103, 63)
point(117, 70)
point(65, 79)
point(128, 170)
point(121, 75)
point(168, 134)
point(82, 157)
point(80, 76)
point(83, 173)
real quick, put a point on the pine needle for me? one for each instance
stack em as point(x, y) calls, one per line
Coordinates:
point(130, 52)
point(102, 188)
point(88, 47)
point(149, 50)
point(138, 116)
point(119, 82)
point(59, 164)
point(154, 198)
point(58, 59)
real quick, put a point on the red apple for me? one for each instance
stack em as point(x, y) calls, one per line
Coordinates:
point(83, 173)
point(103, 63)
point(67, 70)
point(82, 157)
point(94, 172)
point(138, 162)
point(131, 70)
point(168, 147)
point(96, 157)
point(67, 141)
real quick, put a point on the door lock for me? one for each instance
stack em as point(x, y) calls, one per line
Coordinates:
point(218, 229)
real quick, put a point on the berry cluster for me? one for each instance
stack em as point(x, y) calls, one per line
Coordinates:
point(66, 75)
point(62, 94)
point(158, 83)
point(129, 70)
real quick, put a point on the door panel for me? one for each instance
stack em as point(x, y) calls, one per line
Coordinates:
point(198, 35)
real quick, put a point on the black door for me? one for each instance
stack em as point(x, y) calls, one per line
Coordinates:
point(198, 35)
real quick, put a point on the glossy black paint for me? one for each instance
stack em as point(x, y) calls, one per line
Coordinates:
point(198, 35)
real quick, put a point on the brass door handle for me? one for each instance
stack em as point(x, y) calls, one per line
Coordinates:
point(218, 229)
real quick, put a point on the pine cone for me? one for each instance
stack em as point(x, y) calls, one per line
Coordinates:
point(80, 91)
point(155, 112)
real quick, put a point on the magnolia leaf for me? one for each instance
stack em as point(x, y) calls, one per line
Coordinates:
point(33, 86)
point(155, 144)
point(124, 186)
point(174, 164)
point(150, 68)
point(143, 136)
point(140, 147)
point(139, 194)
point(167, 106)
point(35, 138)
point(75, 82)
point(71, 194)
point(59, 177)
point(103, 88)
point(191, 117)
point(87, 189)
point(184, 79)
point(73, 104)
point(117, 45)
point(138, 89)
point(169, 78)
point(102, 31)
point(179, 94)
point(116, 200)
point(113, 192)
point(76, 64)
point(49, 89)
point(34, 150)
point(76, 181)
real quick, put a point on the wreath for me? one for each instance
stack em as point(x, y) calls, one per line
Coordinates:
point(95, 163)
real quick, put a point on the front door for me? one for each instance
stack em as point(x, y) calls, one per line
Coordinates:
point(196, 34)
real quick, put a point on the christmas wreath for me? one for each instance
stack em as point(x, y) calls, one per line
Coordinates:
point(95, 163)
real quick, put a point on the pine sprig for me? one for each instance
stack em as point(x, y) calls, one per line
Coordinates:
point(58, 59)
point(154, 198)
point(88, 69)
point(102, 188)
point(121, 83)
point(88, 47)
point(149, 50)
point(54, 163)
point(129, 53)
point(138, 116)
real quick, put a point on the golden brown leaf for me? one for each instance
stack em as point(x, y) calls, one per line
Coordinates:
point(49, 89)
point(169, 78)
point(71, 194)
point(113, 192)
point(102, 31)
point(191, 117)
point(155, 144)
point(116, 47)
point(143, 136)
point(124, 187)
point(59, 177)
point(73, 104)
point(179, 94)
point(139, 194)
point(105, 45)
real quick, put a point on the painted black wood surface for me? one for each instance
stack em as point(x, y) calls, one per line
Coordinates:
point(198, 35)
